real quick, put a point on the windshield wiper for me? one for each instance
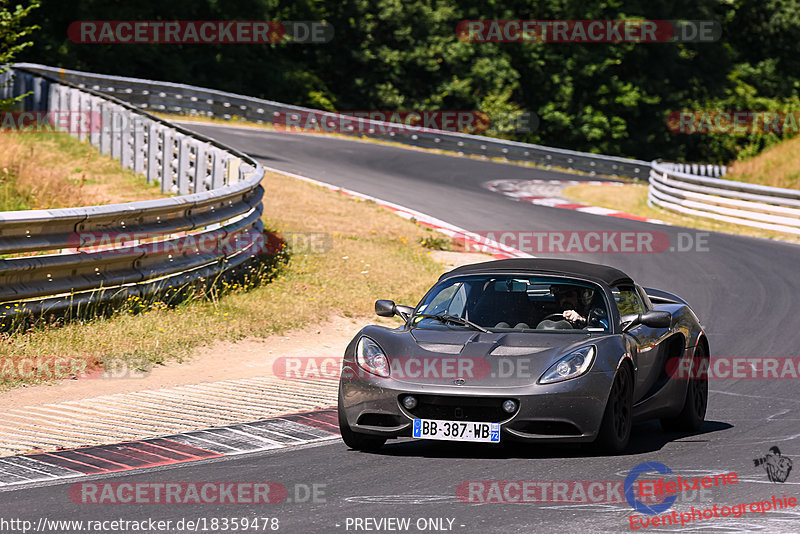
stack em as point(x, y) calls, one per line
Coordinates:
point(452, 319)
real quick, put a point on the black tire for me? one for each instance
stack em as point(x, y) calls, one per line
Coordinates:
point(693, 413)
point(355, 440)
point(615, 430)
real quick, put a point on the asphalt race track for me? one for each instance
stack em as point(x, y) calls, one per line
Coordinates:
point(744, 290)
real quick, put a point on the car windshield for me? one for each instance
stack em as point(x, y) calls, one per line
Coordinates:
point(505, 303)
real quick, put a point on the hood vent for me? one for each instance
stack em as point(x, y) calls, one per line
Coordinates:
point(505, 350)
point(444, 348)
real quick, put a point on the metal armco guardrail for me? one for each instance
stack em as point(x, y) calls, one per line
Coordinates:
point(187, 99)
point(219, 201)
point(759, 206)
point(219, 196)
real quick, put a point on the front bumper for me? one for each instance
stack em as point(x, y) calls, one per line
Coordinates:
point(569, 411)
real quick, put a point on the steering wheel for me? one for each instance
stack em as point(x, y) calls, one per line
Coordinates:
point(553, 315)
point(595, 316)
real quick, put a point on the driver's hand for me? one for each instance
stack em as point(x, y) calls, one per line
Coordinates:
point(573, 316)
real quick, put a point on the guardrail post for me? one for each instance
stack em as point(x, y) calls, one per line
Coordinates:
point(154, 137)
point(53, 96)
point(116, 134)
point(126, 138)
point(232, 172)
point(39, 94)
point(105, 131)
point(20, 88)
point(139, 146)
point(73, 106)
point(83, 109)
point(201, 168)
point(218, 168)
point(96, 121)
point(4, 91)
point(184, 161)
point(167, 155)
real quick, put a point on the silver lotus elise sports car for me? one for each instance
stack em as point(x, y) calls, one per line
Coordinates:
point(537, 350)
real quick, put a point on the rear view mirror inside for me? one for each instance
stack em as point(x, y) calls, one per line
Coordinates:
point(511, 286)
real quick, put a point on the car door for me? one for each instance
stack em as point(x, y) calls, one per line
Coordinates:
point(648, 341)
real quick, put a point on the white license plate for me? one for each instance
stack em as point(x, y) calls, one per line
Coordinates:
point(456, 430)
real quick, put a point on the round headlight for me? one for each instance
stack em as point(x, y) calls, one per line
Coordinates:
point(510, 406)
point(409, 402)
point(570, 366)
point(372, 358)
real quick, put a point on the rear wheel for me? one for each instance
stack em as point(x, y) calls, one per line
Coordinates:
point(355, 440)
point(694, 407)
point(615, 430)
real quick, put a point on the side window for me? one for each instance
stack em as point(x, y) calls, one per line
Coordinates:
point(456, 306)
point(628, 300)
point(449, 300)
point(648, 305)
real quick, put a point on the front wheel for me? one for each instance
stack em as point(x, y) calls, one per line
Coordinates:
point(355, 440)
point(615, 430)
point(694, 407)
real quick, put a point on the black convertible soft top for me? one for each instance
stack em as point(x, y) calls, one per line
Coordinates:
point(594, 271)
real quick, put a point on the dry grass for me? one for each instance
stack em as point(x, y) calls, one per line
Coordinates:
point(778, 166)
point(374, 254)
point(632, 198)
point(52, 170)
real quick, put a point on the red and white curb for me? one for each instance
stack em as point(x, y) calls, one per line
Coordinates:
point(268, 434)
point(474, 242)
point(548, 193)
point(143, 414)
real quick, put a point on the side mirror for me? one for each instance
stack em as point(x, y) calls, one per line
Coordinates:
point(657, 319)
point(387, 308)
point(652, 318)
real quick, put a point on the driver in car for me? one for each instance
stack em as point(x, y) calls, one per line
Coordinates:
point(567, 298)
point(571, 299)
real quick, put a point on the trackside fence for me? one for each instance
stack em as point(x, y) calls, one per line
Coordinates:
point(191, 100)
point(48, 261)
point(674, 188)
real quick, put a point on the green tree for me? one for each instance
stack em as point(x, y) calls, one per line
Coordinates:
point(13, 31)
point(611, 98)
